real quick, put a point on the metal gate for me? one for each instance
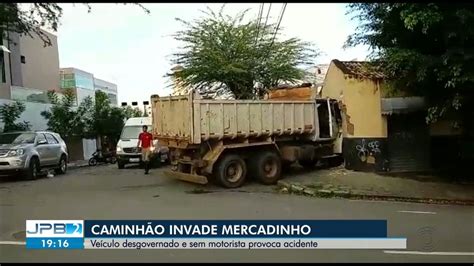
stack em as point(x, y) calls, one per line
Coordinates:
point(408, 143)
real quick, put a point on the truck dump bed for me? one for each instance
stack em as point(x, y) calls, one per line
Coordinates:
point(192, 120)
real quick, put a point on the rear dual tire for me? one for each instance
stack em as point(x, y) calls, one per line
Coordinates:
point(231, 170)
point(266, 167)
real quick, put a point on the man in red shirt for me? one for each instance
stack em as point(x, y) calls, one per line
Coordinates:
point(145, 142)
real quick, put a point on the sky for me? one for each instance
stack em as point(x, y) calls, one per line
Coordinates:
point(124, 45)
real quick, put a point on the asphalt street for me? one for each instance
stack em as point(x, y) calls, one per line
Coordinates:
point(435, 233)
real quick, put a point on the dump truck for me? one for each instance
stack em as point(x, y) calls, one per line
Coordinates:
point(228, 141)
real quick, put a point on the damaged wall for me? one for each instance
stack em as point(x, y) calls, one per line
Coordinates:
point(364, 128)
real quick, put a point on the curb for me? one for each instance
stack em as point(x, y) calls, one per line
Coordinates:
point(73, 167)
point(298, 189)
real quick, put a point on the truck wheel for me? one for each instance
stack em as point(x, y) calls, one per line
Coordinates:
point(120, 164)
point(33, 169)
point(308, 164)
point(267, 167)
point(231, 171)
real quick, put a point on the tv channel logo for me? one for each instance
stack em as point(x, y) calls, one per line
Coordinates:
point(55, 228)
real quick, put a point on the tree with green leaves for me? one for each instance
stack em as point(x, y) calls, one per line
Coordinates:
point(63, 116)
point(28, 21)
point(9, 113)
point(91, 119)
point(425, 50)
point(108, 121)
point(132, 112)
point(238, 56)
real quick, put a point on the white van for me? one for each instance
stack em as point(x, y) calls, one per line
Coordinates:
point(127, 152)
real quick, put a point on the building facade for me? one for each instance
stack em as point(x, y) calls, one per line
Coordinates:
point(27, 73)
point(382, 131)
point(81, 82)
point(107, 87)
point(84, 84)
point(28, 70)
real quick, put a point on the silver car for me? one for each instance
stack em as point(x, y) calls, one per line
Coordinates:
point(31, 152)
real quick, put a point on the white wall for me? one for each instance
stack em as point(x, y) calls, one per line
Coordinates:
point(32, 114)
point(89, 147)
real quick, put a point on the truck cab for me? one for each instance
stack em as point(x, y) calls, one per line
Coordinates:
point(127, 152)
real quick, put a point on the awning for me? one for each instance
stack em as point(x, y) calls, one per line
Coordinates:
point(402, 105)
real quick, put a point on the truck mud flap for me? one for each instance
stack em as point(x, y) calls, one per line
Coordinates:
point(199, 179)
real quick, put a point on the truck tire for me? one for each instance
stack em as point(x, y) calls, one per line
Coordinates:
point(231, 171)
point(33, 169)
point(267, 167)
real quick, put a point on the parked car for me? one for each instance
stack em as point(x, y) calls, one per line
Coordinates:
point(30, 152)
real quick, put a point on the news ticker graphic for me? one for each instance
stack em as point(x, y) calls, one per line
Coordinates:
point(210, 234)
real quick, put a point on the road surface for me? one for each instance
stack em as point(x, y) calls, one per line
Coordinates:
point(435, 233)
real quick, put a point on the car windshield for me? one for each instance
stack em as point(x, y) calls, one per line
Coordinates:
point(17, 138)
point(132, 132)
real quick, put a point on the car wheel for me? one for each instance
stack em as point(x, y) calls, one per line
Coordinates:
point(120, 165)
point(33, 169)
point(62, 169)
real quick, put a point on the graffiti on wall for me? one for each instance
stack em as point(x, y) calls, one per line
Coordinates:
point(367, 150)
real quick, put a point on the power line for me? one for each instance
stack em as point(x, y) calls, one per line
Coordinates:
point(268, 13)
point(279, 21)
point(276, 30)
point(259, 18)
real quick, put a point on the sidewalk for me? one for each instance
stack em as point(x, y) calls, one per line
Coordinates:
point(77, 164)
point(340, 182)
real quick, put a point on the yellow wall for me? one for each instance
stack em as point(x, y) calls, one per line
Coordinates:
point(333, 83)
point(362, 104)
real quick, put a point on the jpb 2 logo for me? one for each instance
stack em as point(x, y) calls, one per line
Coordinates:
point(54, 228)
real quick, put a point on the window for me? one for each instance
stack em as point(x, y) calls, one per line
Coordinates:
point(23, 59)
point(17, 138)
point(68, 81)
point(29, 95)
point(51, 139)
point(40, 137)
point(84, 82)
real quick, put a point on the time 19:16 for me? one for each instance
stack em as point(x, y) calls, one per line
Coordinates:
point(52, 243)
